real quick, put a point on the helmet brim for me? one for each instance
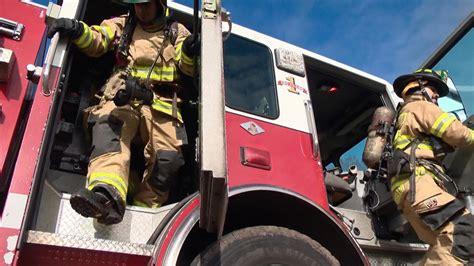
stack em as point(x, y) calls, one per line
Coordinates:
point(400, 83)
point(135, 1)
point(164, 3)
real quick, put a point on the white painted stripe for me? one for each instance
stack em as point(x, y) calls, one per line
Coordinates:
point(8, 258)
point(11, 242)
point(14, 211)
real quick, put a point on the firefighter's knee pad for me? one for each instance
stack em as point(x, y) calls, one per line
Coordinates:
point(463, 237)
point(165, 168)
point(106, 132)
point(436, 219)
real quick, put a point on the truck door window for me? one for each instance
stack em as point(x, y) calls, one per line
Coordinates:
point(342, 115)
point(353, 157)
point(452, 103)
point(459, 62)
point(249, 77)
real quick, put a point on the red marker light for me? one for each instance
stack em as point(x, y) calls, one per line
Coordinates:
point(329, 88)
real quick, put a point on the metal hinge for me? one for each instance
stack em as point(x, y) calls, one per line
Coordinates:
point(209, 8)
point(11, 28)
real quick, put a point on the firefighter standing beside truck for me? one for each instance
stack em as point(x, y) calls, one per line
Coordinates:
point(421, 133)
point(141, 98)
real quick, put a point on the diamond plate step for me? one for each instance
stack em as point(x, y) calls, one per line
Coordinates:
point(57, 216)
point(71, 241)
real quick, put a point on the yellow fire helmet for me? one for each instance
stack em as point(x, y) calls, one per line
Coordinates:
point(428, 77)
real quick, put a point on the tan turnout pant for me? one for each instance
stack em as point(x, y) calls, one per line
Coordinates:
point(430, 199)
point(113, 129)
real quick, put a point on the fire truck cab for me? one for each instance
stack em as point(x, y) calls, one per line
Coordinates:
point(273, 169)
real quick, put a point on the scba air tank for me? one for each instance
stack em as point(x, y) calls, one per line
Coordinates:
point(376, 138)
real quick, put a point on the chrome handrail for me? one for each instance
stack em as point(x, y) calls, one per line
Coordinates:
point(47, 65)
point(312, 127)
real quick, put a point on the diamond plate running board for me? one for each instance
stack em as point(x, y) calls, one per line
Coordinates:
point(71, 241)
point(57, 216)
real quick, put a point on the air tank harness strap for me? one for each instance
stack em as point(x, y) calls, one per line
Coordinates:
point(406, 164)
point(170, 35)
point(413, 163)
point(430, 166)
point(433, 168)
point(121, 53)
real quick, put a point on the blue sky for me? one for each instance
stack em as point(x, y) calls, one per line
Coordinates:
point(386, 38)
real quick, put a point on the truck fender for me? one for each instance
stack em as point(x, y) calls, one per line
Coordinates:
point(253, 206)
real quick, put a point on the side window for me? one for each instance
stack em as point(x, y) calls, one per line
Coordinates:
point(459, 62)
point(249, 77)
point(452, 103)
point(353, 156)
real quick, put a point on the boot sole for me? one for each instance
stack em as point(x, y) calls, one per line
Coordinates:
point(112, 218)
point(83, 203)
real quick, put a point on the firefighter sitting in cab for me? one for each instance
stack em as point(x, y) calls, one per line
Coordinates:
point(140, 97)
point(423, 135)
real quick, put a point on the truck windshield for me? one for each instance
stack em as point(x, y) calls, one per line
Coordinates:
point(459, 62)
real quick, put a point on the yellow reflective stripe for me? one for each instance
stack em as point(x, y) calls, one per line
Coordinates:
point(105, 41)
point(110, 33)
point(445, 126)
point(97, 28)
point(399, 181)
point(178, 50)
point(86, 38)
point(156, 69)
point(144, 205)
point(159, 73)
point(110, 179)
point(441, 124)
point(166, 108)
point(401, 142)
point(106, 35)
point(424, 70)
point(185, 59)
point(154, 76)
point(144, 73)
point(424, 146)
point(401, 117)
point(420, 170)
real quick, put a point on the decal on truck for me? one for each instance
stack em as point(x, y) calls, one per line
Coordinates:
point(290, 84)
point(252, 128)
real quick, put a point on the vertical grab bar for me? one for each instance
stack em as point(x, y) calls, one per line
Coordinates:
point(47, 65)
point(312, 127)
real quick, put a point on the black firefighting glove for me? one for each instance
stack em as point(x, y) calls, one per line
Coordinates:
point(66, 27)
point(192, 46)
point(133, 91)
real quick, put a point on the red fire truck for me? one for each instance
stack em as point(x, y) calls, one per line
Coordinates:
point(273, 171)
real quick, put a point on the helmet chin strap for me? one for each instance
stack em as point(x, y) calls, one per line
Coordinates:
point(158, 22)
point(425, 93)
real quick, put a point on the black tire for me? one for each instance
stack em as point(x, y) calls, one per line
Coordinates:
point(265, 245)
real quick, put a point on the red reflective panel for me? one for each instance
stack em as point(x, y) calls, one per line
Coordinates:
point(255, 158)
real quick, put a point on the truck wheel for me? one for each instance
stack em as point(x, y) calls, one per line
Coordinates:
point(265, 245)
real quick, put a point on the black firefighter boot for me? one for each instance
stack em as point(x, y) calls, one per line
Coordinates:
point(102, 203)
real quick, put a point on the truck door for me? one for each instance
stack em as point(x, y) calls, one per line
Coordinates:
point(21, 36)
point(212, 139)
point(455, 55)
